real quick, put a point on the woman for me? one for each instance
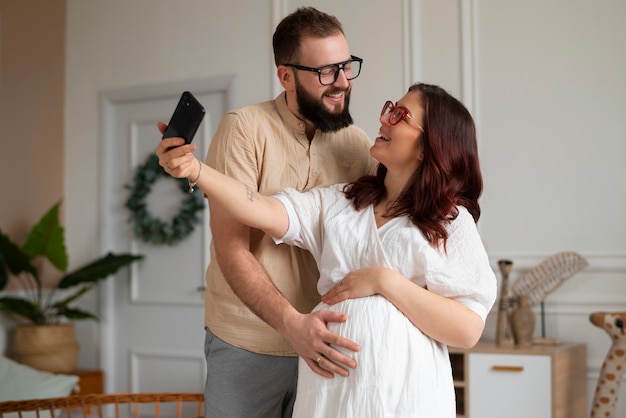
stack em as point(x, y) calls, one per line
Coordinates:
point(398, 252)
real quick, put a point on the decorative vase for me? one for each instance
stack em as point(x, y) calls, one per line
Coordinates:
point(523, 322)
point(51, 348)
point(504, 335)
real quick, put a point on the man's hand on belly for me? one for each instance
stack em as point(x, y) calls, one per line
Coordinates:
point(311, 339)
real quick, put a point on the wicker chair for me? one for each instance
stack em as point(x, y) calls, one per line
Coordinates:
point(119, 405)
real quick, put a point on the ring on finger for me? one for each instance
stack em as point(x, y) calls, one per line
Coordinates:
point(318, 359)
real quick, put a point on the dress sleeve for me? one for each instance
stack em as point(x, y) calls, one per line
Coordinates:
point(305, 226)
point(463, 272)
point(294, 224)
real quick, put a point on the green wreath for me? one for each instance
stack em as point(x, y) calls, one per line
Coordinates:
point(154, 230)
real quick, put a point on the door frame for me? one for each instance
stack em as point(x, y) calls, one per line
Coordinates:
point(108, 100)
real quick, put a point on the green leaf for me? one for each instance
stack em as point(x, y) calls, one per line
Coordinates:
point(98, 270)
point(62, 303)
point(21, 307)
point(13, 261)
point(75, 314)
point(47, 239)
point(4, 276)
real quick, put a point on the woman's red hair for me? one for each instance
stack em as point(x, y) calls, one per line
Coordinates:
point(449, 175)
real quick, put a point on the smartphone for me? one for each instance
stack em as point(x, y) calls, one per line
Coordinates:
point(186, 118)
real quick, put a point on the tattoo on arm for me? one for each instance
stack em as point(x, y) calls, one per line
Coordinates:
point(252, 194)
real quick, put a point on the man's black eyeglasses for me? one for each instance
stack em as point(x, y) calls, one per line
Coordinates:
point(328, 73)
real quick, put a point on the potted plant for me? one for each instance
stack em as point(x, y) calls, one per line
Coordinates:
point(40, 315)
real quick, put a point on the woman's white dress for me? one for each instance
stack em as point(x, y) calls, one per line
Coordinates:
point(400, 371)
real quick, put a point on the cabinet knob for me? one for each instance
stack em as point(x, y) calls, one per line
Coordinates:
point(516, 369)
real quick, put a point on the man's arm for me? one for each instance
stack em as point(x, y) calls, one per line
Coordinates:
point(307, 333)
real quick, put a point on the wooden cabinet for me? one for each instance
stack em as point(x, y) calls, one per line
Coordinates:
point(537, 381)
point(90, 381)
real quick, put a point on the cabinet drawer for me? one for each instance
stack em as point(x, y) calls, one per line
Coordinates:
point(517, 384)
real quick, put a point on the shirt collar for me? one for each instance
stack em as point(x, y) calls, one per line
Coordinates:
point(290, 119)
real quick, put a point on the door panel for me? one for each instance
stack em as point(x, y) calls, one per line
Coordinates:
point(152, 319)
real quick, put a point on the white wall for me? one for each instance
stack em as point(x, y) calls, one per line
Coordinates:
point(551, 107)
point(544, 80)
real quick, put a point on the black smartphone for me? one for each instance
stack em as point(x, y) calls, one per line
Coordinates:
point(186, 118)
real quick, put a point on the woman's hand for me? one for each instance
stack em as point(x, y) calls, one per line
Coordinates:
point(440, 318)
point(176, 157)
point(359, 284)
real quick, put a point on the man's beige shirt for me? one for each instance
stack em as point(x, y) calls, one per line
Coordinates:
point(265, 147)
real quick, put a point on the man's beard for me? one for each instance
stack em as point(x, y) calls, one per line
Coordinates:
point(314, 111)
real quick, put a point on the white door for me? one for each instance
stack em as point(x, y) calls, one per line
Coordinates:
point(152, 316)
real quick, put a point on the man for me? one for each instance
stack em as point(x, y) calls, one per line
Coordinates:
point(259, 294)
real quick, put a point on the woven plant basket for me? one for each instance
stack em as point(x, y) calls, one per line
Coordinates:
point(51, 348)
